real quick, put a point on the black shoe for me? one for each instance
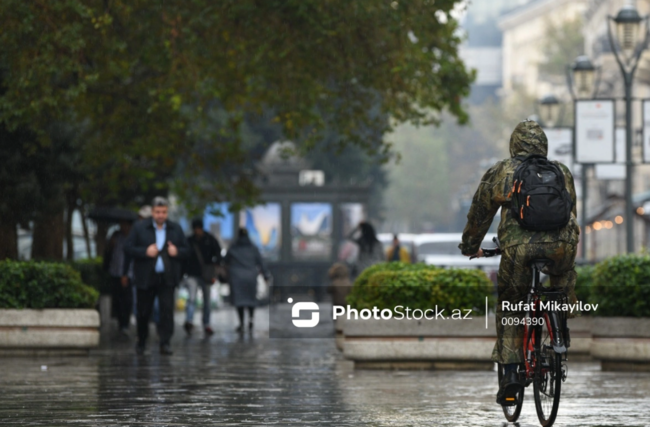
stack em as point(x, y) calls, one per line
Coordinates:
point(250, 326)
point(239, 329)
point(508, 389)
point(188, 328)
point(166, 350)
point(139, 349)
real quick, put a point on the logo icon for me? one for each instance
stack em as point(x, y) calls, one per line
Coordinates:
point(304, 306)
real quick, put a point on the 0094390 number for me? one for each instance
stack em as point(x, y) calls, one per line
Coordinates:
point(515, 321)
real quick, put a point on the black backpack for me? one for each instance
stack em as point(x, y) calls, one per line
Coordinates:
point(540, 200)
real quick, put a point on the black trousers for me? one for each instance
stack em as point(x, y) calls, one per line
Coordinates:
point(122, 302)
point(240, 312)
point(145, 299)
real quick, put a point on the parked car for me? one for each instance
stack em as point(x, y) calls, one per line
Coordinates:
point(441, 249)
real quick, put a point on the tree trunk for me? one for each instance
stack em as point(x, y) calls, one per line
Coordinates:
point(100, 237)
point(8, 241)
point(69, 240)
point(47, 240)
point(84, 224)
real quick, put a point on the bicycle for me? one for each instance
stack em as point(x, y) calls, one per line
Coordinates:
point(546, 338)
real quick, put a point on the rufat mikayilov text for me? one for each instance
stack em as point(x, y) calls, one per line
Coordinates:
point(400, 312)
point(549, 306)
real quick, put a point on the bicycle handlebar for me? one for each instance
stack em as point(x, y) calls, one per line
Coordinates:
point(488, 253)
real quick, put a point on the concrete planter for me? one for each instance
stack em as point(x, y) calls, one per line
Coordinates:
point(49, 331)
point(419, 344)
point(621, 343)
point(581, 337)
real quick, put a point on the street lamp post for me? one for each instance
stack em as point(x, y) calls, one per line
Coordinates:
point(549, 110)
point(583, 84)
point(627, 47)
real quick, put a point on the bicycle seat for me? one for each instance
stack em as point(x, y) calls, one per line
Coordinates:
point(540, 263)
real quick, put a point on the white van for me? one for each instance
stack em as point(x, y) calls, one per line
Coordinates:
point(441, 249)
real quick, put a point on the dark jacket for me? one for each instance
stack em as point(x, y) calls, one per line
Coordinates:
point(141, 236)
point(244, 263)
point(210, 251)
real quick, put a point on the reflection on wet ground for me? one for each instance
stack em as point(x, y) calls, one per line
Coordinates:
point(230, 381)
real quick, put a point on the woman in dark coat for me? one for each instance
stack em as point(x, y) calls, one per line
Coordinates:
point(371, 250)
point(244, 264)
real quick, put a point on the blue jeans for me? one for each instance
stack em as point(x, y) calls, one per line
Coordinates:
point(193, 284)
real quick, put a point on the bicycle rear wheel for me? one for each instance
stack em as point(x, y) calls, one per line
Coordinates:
point(547, 383)
point(511, 412)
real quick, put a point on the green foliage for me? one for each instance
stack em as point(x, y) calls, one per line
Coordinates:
point(144, 76)
point(420, 286)
point(43, 285)
point(621, 286)
point(93, 274)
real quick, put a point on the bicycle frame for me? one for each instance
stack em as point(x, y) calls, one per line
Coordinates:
point(550, 322)
point(544, 369)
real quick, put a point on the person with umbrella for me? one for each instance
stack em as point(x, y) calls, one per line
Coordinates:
point(121, 273)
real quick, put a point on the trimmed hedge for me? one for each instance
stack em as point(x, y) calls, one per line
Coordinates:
point(419, 286)
point(43, 285)
point(584, 284)
point(621, 286)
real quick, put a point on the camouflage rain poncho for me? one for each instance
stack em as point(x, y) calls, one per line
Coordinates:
point(519, 245)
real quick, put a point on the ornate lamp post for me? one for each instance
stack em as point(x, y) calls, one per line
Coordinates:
point(584, 83)
point(582, 79)
point(549, 110)
point(628, 45)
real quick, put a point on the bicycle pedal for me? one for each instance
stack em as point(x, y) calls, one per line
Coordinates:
point(509, 401)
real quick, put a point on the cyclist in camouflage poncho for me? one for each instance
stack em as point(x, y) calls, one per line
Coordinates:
point(518, 245)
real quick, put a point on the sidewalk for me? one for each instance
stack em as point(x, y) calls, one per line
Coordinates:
point(228, 380)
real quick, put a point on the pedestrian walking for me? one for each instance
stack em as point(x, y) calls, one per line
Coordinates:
point(121, 275)
point(157, 248)
point(143, 213)
point(397, 252)
point(244, 263)
point(340, 284)
point(370, 248)
point(201, 271)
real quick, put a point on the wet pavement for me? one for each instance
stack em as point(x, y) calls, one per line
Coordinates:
point(228, 380)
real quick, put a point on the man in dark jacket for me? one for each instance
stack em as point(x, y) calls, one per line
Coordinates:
point(157, 248)
point(200, 268)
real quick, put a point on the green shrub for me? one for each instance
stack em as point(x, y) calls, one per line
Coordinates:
point(420, 287)
point(43, 285)
point(621, 286)
point(93, 274)
point(585, 283)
